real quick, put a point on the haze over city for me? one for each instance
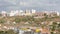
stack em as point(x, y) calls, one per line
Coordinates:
point(40, 5)
point(29, 16)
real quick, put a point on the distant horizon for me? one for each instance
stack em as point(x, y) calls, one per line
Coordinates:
point(31, 10)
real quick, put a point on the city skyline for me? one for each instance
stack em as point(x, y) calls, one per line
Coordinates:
point(40, 5)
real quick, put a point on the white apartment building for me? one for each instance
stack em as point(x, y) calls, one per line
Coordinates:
point(58, 13)
point(55, 12)
point(4, 13)
point(16, 12)
point(27, 13)
point(21, 13)
point(33, 11)
point(11, 13)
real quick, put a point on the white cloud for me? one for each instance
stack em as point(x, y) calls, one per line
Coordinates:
point(11, 1)
point(33, 3)
point(23, 3)
point(36, 3)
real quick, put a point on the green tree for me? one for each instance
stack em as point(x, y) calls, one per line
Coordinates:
point(2, 21)
point(17, 20)
point(2, 32)
point(53, 27)
point(10, 32)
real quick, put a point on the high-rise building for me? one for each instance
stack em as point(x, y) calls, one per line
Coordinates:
point(21, 13)
point(27, 12)
point(58, 13)
point(11, 13)
point(4, 13)
point(33, 11)
point(16, 12)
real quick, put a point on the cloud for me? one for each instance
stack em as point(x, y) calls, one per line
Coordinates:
point(41, 4)
point(37, 3)
point(23, 3)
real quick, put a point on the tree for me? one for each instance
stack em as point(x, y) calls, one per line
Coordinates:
point(53, 27)
point(2, 32)
point(17, 20)
point(10, 32)
point(2, 21)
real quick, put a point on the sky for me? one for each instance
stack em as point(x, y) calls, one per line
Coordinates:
point(40, 5)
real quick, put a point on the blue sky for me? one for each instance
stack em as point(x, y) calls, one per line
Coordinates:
point(30, 4)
